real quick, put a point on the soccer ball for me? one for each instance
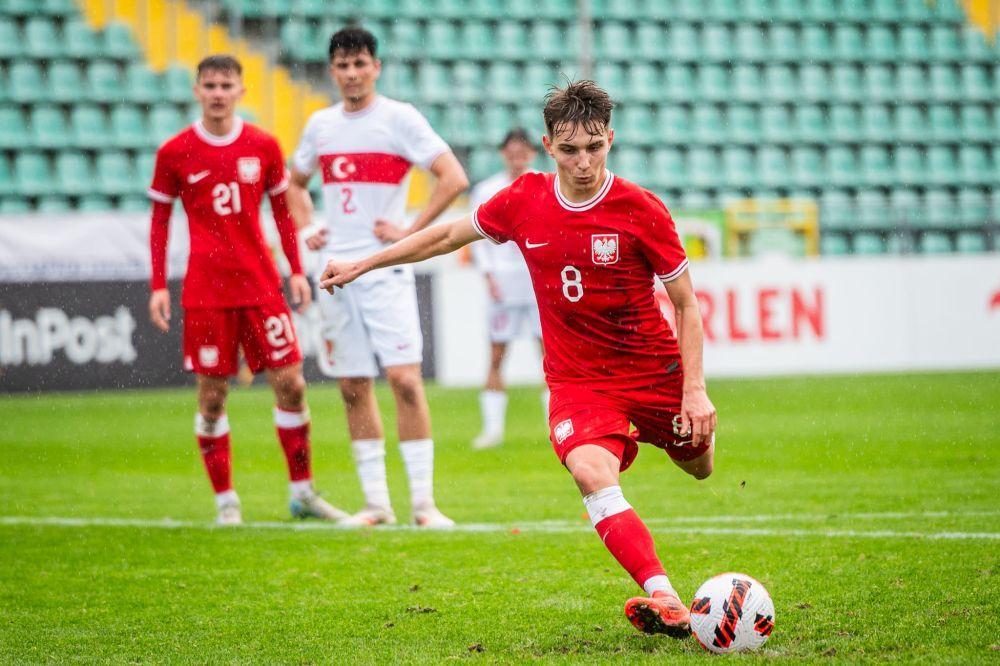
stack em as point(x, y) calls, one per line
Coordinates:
point(732, 612)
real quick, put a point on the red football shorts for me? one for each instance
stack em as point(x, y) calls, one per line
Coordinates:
point(212, 338)
point(579, 415)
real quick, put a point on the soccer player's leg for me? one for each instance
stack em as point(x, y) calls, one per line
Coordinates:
point(210, 351)
point(493, 397)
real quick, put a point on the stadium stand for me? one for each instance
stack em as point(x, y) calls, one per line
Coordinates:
point(885, 112)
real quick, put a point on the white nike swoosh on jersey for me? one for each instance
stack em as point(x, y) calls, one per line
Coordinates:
point(195, 177)
point(531, 246)
point(278, 355)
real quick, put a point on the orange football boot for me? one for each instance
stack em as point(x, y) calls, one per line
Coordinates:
point(663, 613)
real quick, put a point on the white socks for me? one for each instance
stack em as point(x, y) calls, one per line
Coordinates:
point(418, 457)
point(225, 498)
point(369, 456)
point(205, 428)
point(604, 503)
point(493, 407)
point(658, 584)
point(301, 490)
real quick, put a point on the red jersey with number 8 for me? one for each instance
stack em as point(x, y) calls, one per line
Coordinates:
point(221, 181)
point(593, 266)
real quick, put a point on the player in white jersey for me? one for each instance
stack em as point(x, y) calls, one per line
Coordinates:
point(363, 148)
point(513, 309)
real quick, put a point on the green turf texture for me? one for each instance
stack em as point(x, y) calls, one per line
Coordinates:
point(813, 448)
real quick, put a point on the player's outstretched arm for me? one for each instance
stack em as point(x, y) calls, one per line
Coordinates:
point(697, 411)
point(159, 297)
point(431, 242)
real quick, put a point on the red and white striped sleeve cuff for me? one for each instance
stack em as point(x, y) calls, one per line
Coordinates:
point(280, 187)
point(674, 274)
point(156, 195)
point(479, 229)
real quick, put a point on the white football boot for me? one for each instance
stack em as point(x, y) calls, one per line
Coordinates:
point(431, 518)
point(371, 516)
point(314, 506)
point(487, 440)
point(229, 514)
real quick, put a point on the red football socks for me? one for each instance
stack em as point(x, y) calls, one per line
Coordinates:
point(628, 539)
point(213, 441)
point(293, 433)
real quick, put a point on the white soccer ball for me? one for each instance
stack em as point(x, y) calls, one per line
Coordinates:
point(732, 612)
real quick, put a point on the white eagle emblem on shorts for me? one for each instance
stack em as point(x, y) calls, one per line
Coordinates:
point(248, 169)
point(604, 248)
point(563, 430)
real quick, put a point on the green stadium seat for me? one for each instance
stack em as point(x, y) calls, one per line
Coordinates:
point(128, 127)
point(434, 114)
point(462, 123)
point(133, 203)
point(747, 83)
point(976, 84)
point(783, 44)
point(853, 10)
point(970, 242)
point(886, 10)
point(713, 83)
point(996, 172)
point(786, 10)
point(911, 124)
point(973, 207)
point(48, 127)
point(467, 79)
point(723, 10)
point(772, 167)
point(906, 207)
point(164, 122)
point(637, 124)
point(976, 168)
point(95, 203)
point(486, 9)
point(742, 125)
point(876, 165)
point(483, 163)
point(611, 77)
point(679, 83)
point(614, 41)
point(53, 204)
point(879, 84)
point(939, 208)
point(844, 123)
point(25, 83)
point(810, 123)
point(14, 206)
point(64, 82)
point(104, 82)
point(668, 168)
point(177, 85)
point(42, 39)
point(504, 82)
point(682, 42)
point(944, 84)
point(911, 83)
point(143, 85)
point(496, 123)
point(674, 123)
point(650, 40)
point(750, 43)
point(632, 164)
point(73, 173)
point(776, 124)
point(311, 9)
point(547, 41)
point(753, 10)
point(522, 9)
point(118, 42)
point(841, 166)
point(945, 43)
point(834, 245)
point(696, 200)
point(709, 125)
point(868, 243)
point(703, 167)
point(58, 8)
point(934, 242)
point(512, 41)
point(300, 42)
point(406, 40)
point(848, 44)
point(10, 39)
point(13, 128)
point(814, 85)
point(816, 44)
point(807, 166)
point(89, 127)
point(434, 82)
point(941, 166)
point(975, 46)
point(477, 40)
point(944, 122)
point(909, 166)
point(877, 123)
point(781, 84)
point(949, 10)
point(715, 43)
point(398, 81)
point(115, 174)
point(441, 39)
point(881, 44)
point(739, 169)
point(917, 11)
point(913, 40)
point(6, 176)
point(566, 9)
point(644, 84)
point(846, 83)
point(32, 174)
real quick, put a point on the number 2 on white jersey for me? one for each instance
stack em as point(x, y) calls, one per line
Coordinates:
point(226, 198)
point(346, 194)
point(572, 282)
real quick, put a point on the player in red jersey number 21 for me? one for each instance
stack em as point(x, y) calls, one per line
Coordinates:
point(593, 244)
point(221, 168)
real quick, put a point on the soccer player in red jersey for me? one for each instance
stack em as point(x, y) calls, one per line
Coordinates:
point(221, 168)
point(594, 244)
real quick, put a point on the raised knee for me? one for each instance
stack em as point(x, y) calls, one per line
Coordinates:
point(589, 477)
point(702, 472)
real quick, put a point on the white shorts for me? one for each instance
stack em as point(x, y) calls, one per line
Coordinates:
point(508, 320)
point(375, 316)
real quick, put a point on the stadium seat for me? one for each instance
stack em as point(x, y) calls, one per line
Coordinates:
point(846, 83)
point(833, 245)
point(674, 123)
point(496, 123)
point(810, 124)
point(25, 83)
point(906, 206)
point(682, 42)
point(611, 77)
point(522, 9)
point(868, 243)
point(632, 164)
point(614, 41)
point(668, 168)
point(941, 166)
point(879, 84)
point(911, 83)
point(742, 125)
point(945, 43)
point(434, 81)
point(42, 39)
point(715, 43)
point(841, 166)
point(909, 165)
point(143, 85)
point(848, 44)
point(115, 174)
point(89, 127)
point(118, 42)
point(53, 204)
point(973, 207)
point(13, 127)
point(486, 9)
point(467, 80)
point(913, 40)
point(975, 165)
point(881, 44)
point(783, 43)
point(944, 84)
point(511, 40)
point(781, 83)
point(969, 242)
point(48, 127)
point(93, 203)
point(64, 82)
point(164, 121)
point(477, 40)
point(32, 174)
point(877, 123)
point(776, 124)
point(807, 166)
point(944, 122)
point(739, 169)
point(917, 11)
point(548, 42)
point(650, 40)
point(844, 123)
point(816, 45)
point(128, 127)
point(911, 125)
point(637, 124)
point(73, 173)
point(703, 167)
point(933, 242)
point(747, 83)
point(939, 207)
point(772, 167)
point(709, 125)
point(300, 41)
point(81, 42)
point(976, 84)
point(814, 84)
point(504, 82)
point(484, 162)
point(853, 10)
point(6, 176)
point(104, 82)
point(975, 46)
point(976, 125)
point(679, 83)
point(441, 39)
point(398, 81)
point(10, 39)
point(750, 45)
point(462, 123)
point(873, 210)
point(135, 203)
point(723, 10)
point(753, 10)
point(644, 84)
point(406, 40)
point(713, 83)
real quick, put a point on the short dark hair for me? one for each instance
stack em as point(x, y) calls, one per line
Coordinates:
point(352, 40)
point(582, 102)
point(517, 135)
point(219, 62)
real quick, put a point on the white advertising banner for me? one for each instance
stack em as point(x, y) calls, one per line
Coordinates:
point(778, 316)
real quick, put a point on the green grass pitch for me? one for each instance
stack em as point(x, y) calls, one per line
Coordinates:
point(867, 505)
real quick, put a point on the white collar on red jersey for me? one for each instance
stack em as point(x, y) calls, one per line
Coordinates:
point(581, 206)
point(216, 140)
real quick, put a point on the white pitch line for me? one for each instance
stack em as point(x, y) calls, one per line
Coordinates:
point(820, 517)
point(542, 527)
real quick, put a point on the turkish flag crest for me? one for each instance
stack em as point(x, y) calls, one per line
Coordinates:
point(604, 248)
